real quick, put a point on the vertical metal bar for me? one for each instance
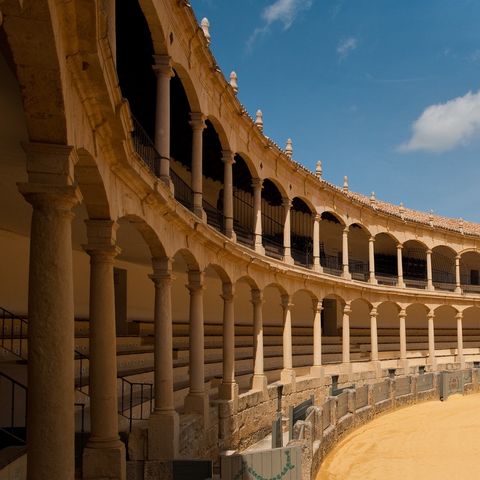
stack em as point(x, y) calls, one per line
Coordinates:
point(141, 402)
point(131, 405)
point(13, 406)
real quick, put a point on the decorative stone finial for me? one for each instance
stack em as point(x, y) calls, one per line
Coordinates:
point(345, 183)
point(289, 148)
point(233, 81)
point(319, 170)
point(401, 209)
point(259, 120)
point(430, 218)
point(205, 24)
point(373, 200)
point(461, 225)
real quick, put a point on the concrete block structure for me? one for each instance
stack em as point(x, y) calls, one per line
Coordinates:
point(170, 275)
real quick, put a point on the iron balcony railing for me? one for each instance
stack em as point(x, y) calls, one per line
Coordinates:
point(181, 190)
point(145, 147)
point(133, 397)
point(14, 333)
point(14, 414)
point(214, 216)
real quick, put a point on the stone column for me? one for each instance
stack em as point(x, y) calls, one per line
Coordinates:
point(317, 369)
point(287, 374)
point(50, 407)
point(371, 260)
point(429, 271)
point(257, 185)
point(346, 333)
point(163, 424)
point(461, 359)
point(228, 389)
point(197, 122)
point(287, 255)
point(259, 381)
point(316, 243)
point(345, 265)
point(104, 455)
point(373, 335)
point(402, 315)
point(431, 340)
point(458, 284)
point(197, 400)
point(228, 161)
point(164, 72)
point(400, 282)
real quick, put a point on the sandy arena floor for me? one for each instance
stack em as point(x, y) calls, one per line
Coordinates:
point(431, 441)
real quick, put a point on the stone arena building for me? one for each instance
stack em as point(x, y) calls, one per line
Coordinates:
point(179, 274)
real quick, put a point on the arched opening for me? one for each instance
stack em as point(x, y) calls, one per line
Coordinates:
point(358, 252)
point(212, 167)
point(416, 330)
point(243, 221)
point(331, 231)
point(302, 330)
point(445, 333)
point(388, 331)
point(273, 217)
point(470, 272)
point(414, 261)
point(332, 320)
point(301, 233)
point(386, 268)
point(471, 330)
point(443, 268)
point(360, 335)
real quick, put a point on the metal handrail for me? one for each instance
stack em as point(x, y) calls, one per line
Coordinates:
point(14, 383)
point(130, 386)
point(182, 192)
point(9, 336)
point(145, 148)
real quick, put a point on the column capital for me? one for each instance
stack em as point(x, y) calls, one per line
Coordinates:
point(371, 239)
point(373, 312)
point(346, 229)
point(102, 238)
point(257, 183)
point(162, 270)
point(459, 315)
point(227, 292)
point(257, 297)
point(317, 305)
point(399, 246)
point(347, 309)
point(60, 198)
point(402, 313)
point(286, 203)
point(458, 257)
point(431, 314)
point(228, 157)
point(197, 121)
point(285, 301)
point(162, 65)
point(317, 217)
point(195, 281)
point(428, 251)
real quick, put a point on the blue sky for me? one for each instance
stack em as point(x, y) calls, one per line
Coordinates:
point(384, 91)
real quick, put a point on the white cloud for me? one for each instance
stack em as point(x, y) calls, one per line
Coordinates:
point(447, 125)
point(282, 11)
point(346, 46)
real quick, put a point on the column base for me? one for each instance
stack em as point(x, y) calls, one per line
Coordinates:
point(430, 288)
point(401, 284)
point(200, 212)
point(346, 368)
point(260, 383)
point(102, 462)
point(403, 363)
point(163, 436)
point(317, 268)
point(377, 368)
point(287, 258)
point(318, 371)
point(287, 376)
point(168, 182)
point(347, 275)
point(373, 281)
point(198, 403)
point(228, 391)
point(432, 363)
point(259, 248)
point(458, 290)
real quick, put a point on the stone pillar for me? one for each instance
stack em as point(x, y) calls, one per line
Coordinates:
point(429, 271)
point(346, 333)
point(461, 359)
point(458, 285)
point(228, 389)
point(400, 282)
point(104, 455)
point(431, 340)
point(259, 381)
point(163, 424)
point(287, 255)
point(228, 161)
point(373, 335)
point(316, 243)
point(257, 185)
point(197, 400)
point(197, 122)
point(164, 72)
point(50, 407)
point(345, 265)
point(287, 374)
point(317, 370)
point(402, 315)
point(371, 260)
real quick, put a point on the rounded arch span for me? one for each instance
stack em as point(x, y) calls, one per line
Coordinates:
point(328, 214)
point(417, 306)
point(249, 163)
point(446, 247)
point(362, 227)
point(220, 131)
point(249, 281)
point(189, 87)
point(188, 258)
point(157, 32)
point(92, 186)
point(413, 241)
point(308, 292)
point(335, 296)
point(307, 203)
point(220, 271)
point(468, 250)
point(446, 308)
point(361, 301)
point(389, 235)
point(389, 302)
point(276, 286)
point(149, 235)
point(278, 186)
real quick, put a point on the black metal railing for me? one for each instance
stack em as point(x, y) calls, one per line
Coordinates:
point(214, 216)
point(182, 192)
point(272, 232)
point(81, 378)
point(14, 333)
point(14, 411)
point(359, 270)
point(133, 397)
point(243, 217)
point(330, 263)
point(302, 251)
point(145, 147)
point(81, 407)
